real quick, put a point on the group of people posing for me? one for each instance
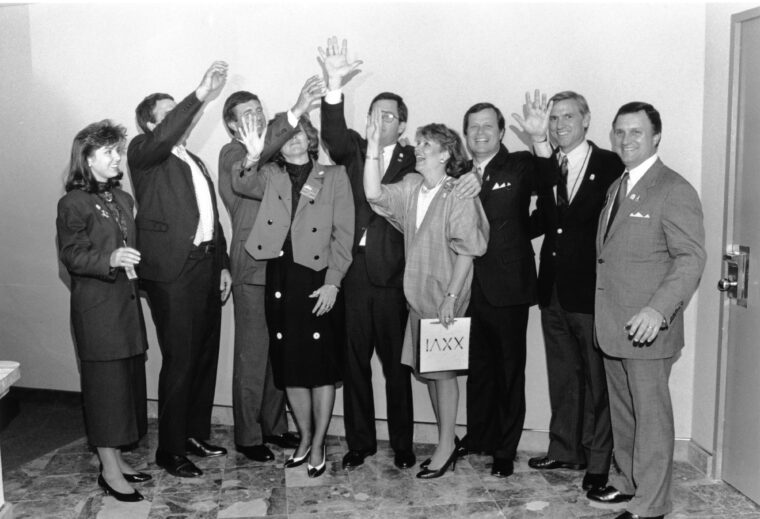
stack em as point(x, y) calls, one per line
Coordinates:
point(330, 263)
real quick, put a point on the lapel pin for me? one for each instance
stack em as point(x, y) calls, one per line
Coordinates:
point(322, 172)
point(592, 176)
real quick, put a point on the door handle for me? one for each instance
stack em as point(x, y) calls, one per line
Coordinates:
point(736, 280)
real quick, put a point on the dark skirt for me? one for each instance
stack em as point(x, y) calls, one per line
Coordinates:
point(114, 399)
point(305, 350)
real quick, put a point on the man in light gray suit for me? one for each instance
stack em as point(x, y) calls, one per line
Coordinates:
point(650, 256)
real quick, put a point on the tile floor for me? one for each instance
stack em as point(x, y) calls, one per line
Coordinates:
point(61, 484)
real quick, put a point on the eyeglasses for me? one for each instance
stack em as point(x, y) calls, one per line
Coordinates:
point(388, 117)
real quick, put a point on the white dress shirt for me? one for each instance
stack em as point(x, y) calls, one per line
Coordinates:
point(205, 230)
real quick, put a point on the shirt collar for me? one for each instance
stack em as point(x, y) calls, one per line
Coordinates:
point(577, 155)
point(483, 164)
point(635, 174)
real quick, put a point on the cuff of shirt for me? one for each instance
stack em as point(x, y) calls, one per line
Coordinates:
point(333, 97)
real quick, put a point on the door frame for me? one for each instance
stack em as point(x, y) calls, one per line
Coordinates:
point(733, 148)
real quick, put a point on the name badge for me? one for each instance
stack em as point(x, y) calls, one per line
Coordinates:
point(310, 191)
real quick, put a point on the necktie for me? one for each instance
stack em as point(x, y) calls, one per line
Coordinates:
point(619, 197)
point(562, 198)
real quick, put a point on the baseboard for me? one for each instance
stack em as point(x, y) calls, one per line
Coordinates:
point(531, 440)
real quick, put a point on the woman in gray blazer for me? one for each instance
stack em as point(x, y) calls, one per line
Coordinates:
point(305, 228)
point(96, 236)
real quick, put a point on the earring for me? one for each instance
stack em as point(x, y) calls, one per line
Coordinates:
point(442, 161)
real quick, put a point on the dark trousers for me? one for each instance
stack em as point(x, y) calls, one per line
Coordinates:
point(187, 313)
point(375, 319)
point(258, 406)
point(580, 430)
point(496, 379)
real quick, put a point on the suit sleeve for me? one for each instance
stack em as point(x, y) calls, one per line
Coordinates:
point(545, 171)
point(342, 237)
point(341, 143)
point(152, 148)
point(76, 250)
point(682, 223)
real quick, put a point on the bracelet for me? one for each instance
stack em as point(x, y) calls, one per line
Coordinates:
point(336, 286)
point(452, 296)
point(251, 158)
point(540, 142)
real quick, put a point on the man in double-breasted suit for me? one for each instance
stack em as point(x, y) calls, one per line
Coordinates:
point(376, 310)
point(503, 290)
point(567, 214)
point(258, 406)
point(184, 268)
point(650, 256)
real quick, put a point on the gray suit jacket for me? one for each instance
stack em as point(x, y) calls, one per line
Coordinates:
point(653, 256)
point(322, 230)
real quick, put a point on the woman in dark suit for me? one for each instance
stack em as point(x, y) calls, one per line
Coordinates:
point(305, 228)
point(96, 234)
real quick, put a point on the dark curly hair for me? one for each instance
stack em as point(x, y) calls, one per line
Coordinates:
point(450, 141)
point(93, 137)
point(304, 124)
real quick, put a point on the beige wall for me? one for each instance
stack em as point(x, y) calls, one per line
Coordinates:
point(63, 66)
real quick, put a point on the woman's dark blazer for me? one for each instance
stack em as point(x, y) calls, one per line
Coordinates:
point(105, 306)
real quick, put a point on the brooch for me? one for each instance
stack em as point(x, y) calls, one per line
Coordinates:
point(103, 212)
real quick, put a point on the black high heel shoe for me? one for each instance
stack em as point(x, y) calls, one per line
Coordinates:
point(292, 461)
point(139, 477)
point(427, 473)
point(426, 463)
point(315, 472)
point(127, 498)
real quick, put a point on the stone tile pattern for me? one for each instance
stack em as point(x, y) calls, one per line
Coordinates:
point(61, 484)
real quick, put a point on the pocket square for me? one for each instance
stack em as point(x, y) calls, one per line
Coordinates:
point(501, 186)
point(638, 215)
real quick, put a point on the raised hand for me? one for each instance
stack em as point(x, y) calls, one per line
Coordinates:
point(536, 121)
point(213, 81)
point(313, 90)
point(334, 60)
point(249, 136)
point(374, 123)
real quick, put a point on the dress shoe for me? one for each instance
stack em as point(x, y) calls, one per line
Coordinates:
point(428, 473)
point(547, 463)
point(594, 481)
point(286, 440)
point(355, 458)
point(256, 452)
point(127, 498)
point(608, 495)
point(203, 449)
point(177, 465)
point(315, 472)
point(629, 515)
point(292, 461)
point(460, 451)
point(404, 459)
point(502, 467)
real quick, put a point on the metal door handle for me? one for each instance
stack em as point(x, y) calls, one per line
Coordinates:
point(726, 284)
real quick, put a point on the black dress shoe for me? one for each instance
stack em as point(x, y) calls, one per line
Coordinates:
point(629, 515)
point(356, 458)
point(404, 459)
point(256, 452)
point(547, 463)
point(502, 467)
point(594, 481)
point(127, 498)
point(315, 472)
point(177, 465)
point(203, 449)
point(286, 440)
point(608, 495)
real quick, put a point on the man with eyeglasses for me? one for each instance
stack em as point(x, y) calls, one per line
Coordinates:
point(376, 310)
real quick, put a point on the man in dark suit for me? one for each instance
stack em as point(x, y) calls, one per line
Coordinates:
point(258, 406)
point(650, 256)
point(567, 214)
point(376, 311)
point(184, 268)
point(503, 290)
